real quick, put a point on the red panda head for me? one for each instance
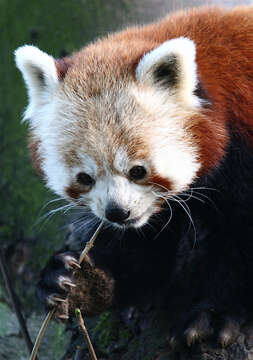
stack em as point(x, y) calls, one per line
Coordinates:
point(115, 138)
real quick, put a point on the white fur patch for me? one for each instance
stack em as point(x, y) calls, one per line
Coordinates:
point(185, 52)
point(31, 62)
point(87, 165)
point(138, 199)
point(176, 162)
point(173, 152)
point(121, 161)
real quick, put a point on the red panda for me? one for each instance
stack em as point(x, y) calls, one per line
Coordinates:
point(134, 127)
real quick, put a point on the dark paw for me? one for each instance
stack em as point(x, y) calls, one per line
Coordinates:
point(205, 324)
point(56, 283)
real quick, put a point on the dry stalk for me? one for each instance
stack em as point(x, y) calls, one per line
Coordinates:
point(87, 248)
point(41, 334)
point(86, 335)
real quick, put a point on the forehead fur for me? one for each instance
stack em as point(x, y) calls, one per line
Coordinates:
point(110, 104)
point(114, 61)
point(100, 126)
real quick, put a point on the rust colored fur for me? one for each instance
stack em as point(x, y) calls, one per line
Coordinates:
point(33, 145)
point(224, 46)
point(164, 184)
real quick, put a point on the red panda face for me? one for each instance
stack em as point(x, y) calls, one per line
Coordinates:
point(118, 144)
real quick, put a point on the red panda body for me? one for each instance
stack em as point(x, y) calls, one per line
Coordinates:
point(154, 124)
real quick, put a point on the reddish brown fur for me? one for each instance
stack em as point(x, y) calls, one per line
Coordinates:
point(74, 191)
point(224, 41)
point(210, 134)
point(163, 184)
point(62, 66)
point(33, 145)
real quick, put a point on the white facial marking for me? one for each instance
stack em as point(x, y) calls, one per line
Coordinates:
point(173, 155)
point(87, 165)
point(125, 194)
point(121, 161)
point(177, 162)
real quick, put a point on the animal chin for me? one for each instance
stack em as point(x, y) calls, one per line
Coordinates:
point(127, 223)
point(136, 222)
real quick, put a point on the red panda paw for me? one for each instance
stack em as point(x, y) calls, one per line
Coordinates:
point(203, 325)
point(65, 285)
point(57, 282)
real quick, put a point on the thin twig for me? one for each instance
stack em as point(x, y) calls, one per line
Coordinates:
point(88, 246)
point(41, 333)
point(86, 335)
point(90, 243)
point(14, 301)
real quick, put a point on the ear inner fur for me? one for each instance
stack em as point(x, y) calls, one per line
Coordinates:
point(62, 66)
point(166, 74)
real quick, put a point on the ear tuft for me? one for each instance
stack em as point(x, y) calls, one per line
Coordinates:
point(33, 62)
point(172, 67)
point(39, 73)
point(167, 72)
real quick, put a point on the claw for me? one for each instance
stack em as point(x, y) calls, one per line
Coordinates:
point(74, 264)
point(68, 283)
point(69, 261)
point(191, 337)
point(225, 339)
point(64, 282)
point(63, 317)
point(173, 343)
point(53, 299)
point(56, 298)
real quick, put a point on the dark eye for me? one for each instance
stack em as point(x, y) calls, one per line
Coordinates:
point(137, 172)
point(85, 179)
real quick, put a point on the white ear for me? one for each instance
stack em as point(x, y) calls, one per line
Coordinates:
point(40, 75)
point(171, 67)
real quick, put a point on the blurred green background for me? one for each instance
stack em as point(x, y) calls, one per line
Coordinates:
point(57, 27)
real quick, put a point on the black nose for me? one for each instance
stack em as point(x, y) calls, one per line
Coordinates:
point(116, 214)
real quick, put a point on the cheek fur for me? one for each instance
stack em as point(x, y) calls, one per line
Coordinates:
point(210, 134)
point(74, 191)
point(162, 183)
point(33, 145)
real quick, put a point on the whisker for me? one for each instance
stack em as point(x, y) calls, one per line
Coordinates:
point(84, 223)
point(46, 217)
point(171, 213)
point(203, 188)
point(192, 197)
point(50, 202)
point(186, 208)
point(208, 198)
point(161, 186)
point(182, 201)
